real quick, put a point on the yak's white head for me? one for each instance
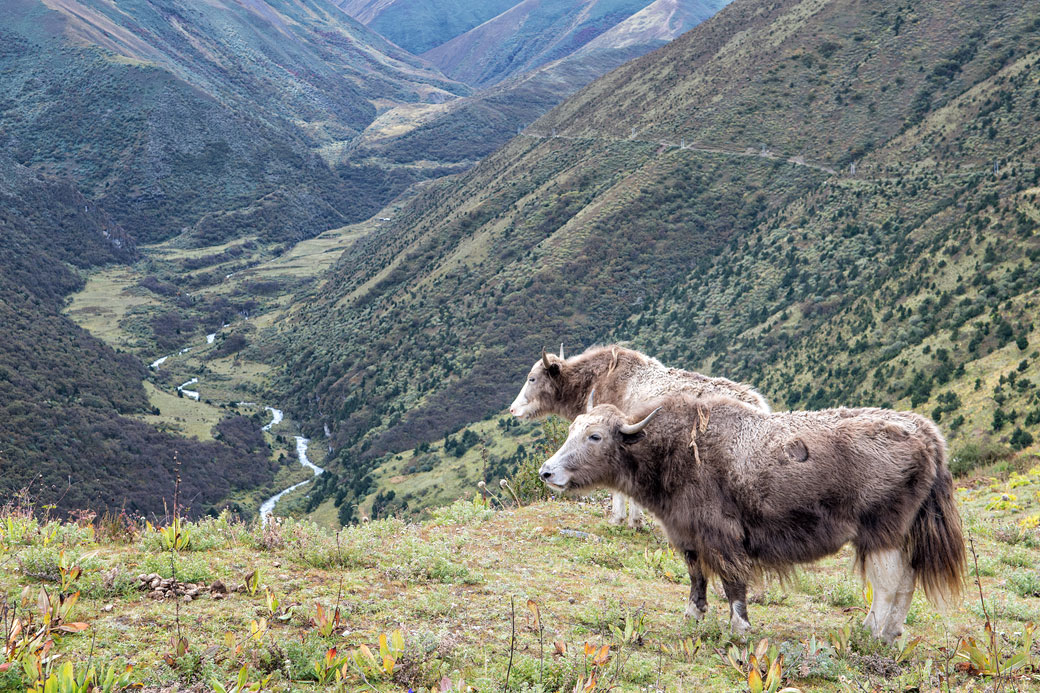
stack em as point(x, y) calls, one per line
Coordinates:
point(539, 390)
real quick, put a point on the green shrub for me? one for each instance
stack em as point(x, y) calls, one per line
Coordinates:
point(462, 512)
point(973, 455)
point(417, 558)
point(1025, 583)
point(43, 563)
point(107, 584)
point(205, 534)
point(357, 546)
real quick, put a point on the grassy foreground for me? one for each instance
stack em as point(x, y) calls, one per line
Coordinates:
point(548, 595)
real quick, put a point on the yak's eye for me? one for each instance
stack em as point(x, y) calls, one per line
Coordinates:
point(531, 379)
point(595, 437)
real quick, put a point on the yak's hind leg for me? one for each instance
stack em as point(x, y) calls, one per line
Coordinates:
point(697, 607)
point(892, 580)
point(736, 593)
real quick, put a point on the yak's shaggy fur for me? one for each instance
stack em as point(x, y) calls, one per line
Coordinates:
point(738, 489)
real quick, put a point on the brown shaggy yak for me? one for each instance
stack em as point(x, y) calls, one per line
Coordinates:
point(627, 379)
point(739, 490)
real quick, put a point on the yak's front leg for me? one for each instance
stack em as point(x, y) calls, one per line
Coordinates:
point(697, 607)
point(736, 593)
point(635, 514)
point(617, 508)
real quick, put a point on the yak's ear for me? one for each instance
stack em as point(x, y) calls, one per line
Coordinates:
point(627, 438)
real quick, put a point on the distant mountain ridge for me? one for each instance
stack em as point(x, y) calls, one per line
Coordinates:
point(529, 34)
point(472, 127)
point(419, 25)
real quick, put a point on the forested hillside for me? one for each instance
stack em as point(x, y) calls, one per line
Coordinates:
point(701, 202)
point(64, 395)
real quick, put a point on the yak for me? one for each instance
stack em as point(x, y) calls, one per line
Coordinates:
point(739, 491)
point(622, 377)
point(625, 378)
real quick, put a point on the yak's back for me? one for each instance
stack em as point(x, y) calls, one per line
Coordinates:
point(651, 380)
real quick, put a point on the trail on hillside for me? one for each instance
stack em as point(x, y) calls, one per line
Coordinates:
point(855, 171)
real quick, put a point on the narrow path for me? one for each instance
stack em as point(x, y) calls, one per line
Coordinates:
point(749, 152)
point(886, 171)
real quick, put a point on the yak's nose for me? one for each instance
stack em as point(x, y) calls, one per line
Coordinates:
point(512, 410)
point(546, 475)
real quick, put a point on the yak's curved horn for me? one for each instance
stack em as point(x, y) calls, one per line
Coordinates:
point(591, 404)
point(632, 429)
point(545, 359)
point(562, 357)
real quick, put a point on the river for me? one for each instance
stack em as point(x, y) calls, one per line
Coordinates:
point(267, 507)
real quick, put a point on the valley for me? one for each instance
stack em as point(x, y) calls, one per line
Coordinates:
point(118, 304)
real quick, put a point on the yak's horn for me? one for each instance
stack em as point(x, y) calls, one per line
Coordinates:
point(590, 405)
point(562, 357)
point(545, 359)
point(632, 429)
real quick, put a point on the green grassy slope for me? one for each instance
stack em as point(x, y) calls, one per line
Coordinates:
point(923, 282)
point(709, 255)
point(519, 594)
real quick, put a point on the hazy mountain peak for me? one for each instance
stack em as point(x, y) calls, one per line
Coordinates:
point(529, 34)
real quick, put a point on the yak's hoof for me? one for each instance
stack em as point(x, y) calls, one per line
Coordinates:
point(739, 626)
point(695, 613)
point(891, 634)
point(615, 520)
point(870, 622)
point(887, 633)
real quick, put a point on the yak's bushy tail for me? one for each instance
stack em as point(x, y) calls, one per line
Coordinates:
point(936, 544)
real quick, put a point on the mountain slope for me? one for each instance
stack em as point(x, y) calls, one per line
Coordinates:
point(611, 229)
point(204, 117)
point(419, 25)
point(529, 34)
point(65, 396)
point(472, 127)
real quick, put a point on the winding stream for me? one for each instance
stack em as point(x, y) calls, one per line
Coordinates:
point(276, 418)
point(267, 507)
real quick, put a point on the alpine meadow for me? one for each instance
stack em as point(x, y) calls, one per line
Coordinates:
point(523, 345)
